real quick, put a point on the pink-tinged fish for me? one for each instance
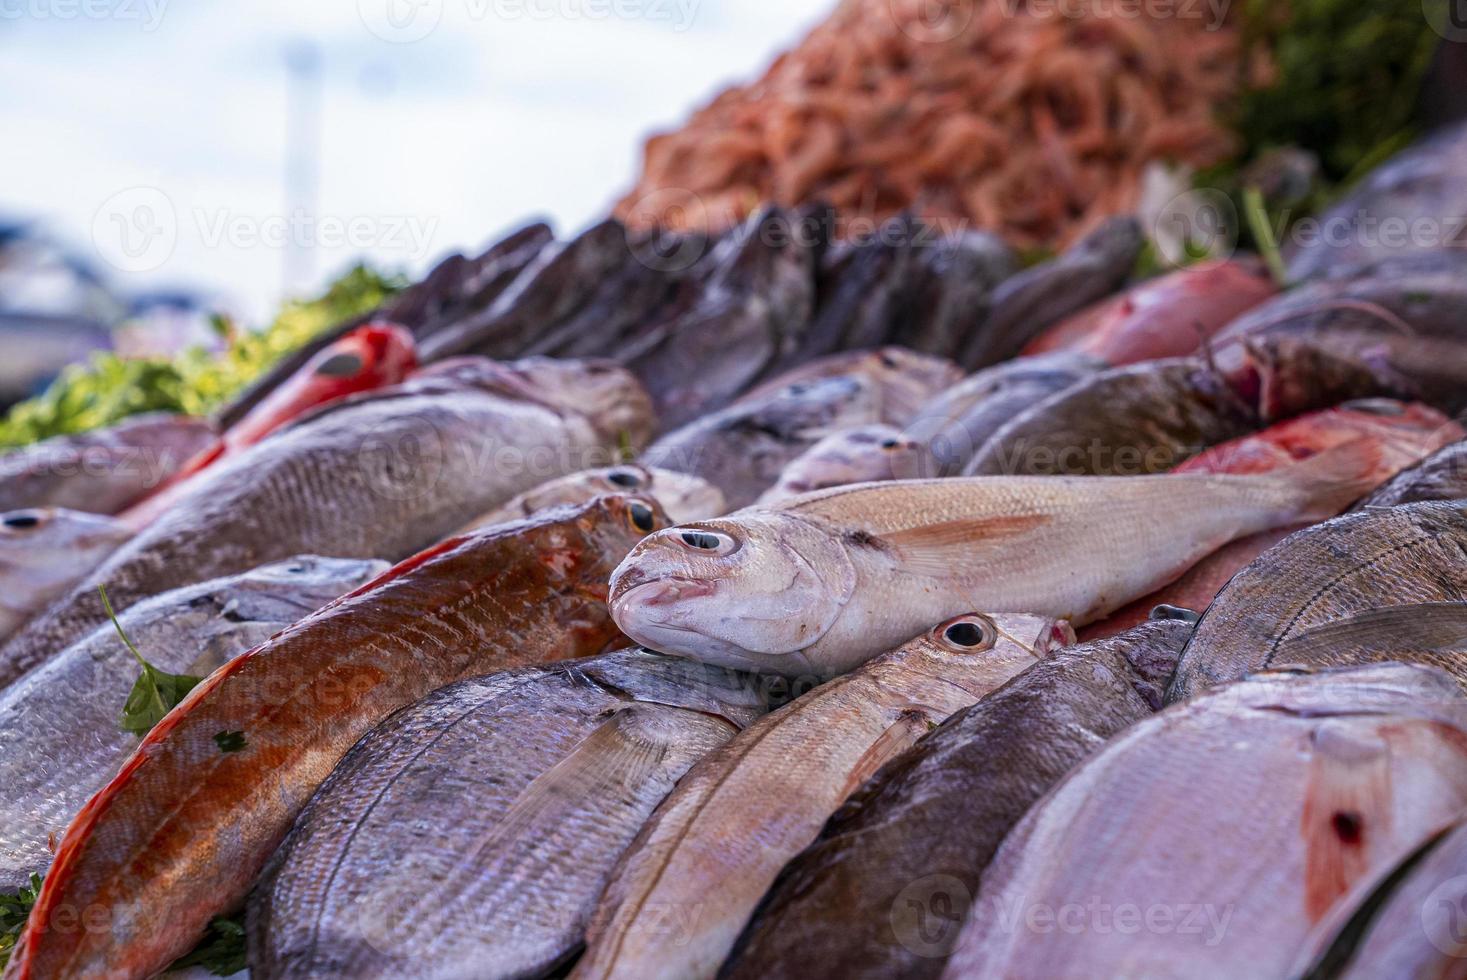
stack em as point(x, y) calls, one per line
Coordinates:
point(1403, 434)
point(180, 833)
point(1170, 316)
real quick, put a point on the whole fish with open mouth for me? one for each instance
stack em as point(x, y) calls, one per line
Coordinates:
point(681, 496)
point(743, 449)
point(1391, 556)
point(1401, 433)
point(885, 889)
point(1025, 304)
point(382, 478)
point(960, 420)
point(904, 380)
point(823, 582)
point(44, 553)
point(866, 454)
point(408, 861)
point(1248, 815)
point(60, 732)
point(718, 841)
point(1146, 418)
point(1442, 476)
point(104, 471)
point(178, 836)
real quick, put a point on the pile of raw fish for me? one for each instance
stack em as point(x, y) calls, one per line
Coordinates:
point(769, 605)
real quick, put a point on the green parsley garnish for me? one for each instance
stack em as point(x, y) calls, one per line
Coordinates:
point(155, 692)
point(15, 908)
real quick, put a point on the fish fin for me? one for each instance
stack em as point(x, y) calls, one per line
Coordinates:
point(911, 724)
point(936, 549)
point(1322, 486)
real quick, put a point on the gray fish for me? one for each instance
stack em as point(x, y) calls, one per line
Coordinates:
point(884, 890)
point(385, 477)
point(1209, 840)
point(959, 421)
point(104, 471)
point(60, 739)
point(1414, 201)
point(471, 834)
point(1393, 556)
point(683, 497)
point(1433, 634)
point(44, 552)
point(866, 454)
point(1025, 304)
point(743, 449)
point(905, 380)
point(1441, 476)
point(1130, 421)
point(949, 291)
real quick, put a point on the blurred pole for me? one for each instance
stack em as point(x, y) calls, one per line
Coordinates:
point(302, 163)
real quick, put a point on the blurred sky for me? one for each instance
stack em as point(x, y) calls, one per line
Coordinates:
point(150, 135)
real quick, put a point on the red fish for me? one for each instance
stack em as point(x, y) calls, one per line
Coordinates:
point(1402, 434)
point(1170, 316)
point(368, 358)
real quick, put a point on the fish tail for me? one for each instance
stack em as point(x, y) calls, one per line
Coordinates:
point(1323, 486)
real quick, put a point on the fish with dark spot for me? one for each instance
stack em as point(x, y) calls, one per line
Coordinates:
point(867, 454)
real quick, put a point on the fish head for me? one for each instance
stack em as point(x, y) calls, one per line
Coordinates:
point(685, 497)
point(371, 356)
point(46, 545)
point(907, 379)
point(605, 394)
point(980, 651)
point(621, 520)
point(748, 593)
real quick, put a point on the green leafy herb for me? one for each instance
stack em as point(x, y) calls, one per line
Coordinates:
point(155, 692)
point(1268, 247)
point(230, 741)
point(15, 908)
point(221, 951)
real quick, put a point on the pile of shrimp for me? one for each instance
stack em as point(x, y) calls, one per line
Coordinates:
point(1030, 118)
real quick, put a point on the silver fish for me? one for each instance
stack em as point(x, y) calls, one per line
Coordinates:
point(46, 551)
point(684, 497)
point(868, 454)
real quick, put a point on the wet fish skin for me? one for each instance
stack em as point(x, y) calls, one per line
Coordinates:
point(1433, 634)
point(682, 496)
point(1385, 557)
point(957, 422)
point(936, 814)
point(866, 454)
point(905, 380)
point(1026, 303)
point(1341, 773)
point(104, 471)
point(1442, 476)
point(60, 740)
point(46, 551)
point(1142, 419)
point(719, 839)
point(743, 449)
point(408, 861)
point(384, 478)
point(180, 833)
point(827, 580)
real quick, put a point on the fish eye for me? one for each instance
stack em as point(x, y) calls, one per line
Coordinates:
point(624, 478)
point(1377, 406)
point(887, 361)
point(889, 443)
point(642, 516)
point(971, 633)
point(342, 365)
point(707, 541)
point(22, 520)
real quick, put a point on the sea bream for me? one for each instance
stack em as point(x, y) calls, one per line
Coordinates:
point(865, 454)
point(1433, 634)
point(380, 479)
point(472, 833)
point(46, 551)
point(825, 581)
point(1210, 840)
point(681, 895)
point(179, 834)
point(684, 497)
point(884, 891)
point(61, 736)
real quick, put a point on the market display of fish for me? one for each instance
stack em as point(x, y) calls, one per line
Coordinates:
point(682, 497)
point(408, 861)
point(717, 842)
point(179, 834)
point(61, 730)
point(743, 449)
point(1342, 773)
point(950, 290)
point(44, 553)
point(904, 380)
point(1127, 421)
point(958, 422)
point(866, 454)
point(104, 471)
point(885, 889)
point(381, 479)
point(1382, 557)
